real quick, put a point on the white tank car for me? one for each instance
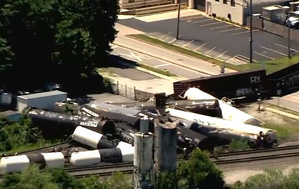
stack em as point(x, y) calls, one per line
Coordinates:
point(90, 138)
point(85, 158)
point(13, 164)
point(229, 112)
point(226, 126)
point(123, 154)
point(54, 160)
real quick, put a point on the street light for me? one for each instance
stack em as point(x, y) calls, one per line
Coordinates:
point(250, 38)
point(178, 25)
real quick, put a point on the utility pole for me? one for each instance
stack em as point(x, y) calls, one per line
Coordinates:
point(178, 25)
point(250, 38)
point(289, 35)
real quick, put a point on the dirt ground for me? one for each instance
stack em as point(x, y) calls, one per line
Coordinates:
point(269, 116)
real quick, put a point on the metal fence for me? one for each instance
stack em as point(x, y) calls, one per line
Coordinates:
point(130, 91)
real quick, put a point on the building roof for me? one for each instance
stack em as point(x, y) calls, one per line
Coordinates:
point(41, 95)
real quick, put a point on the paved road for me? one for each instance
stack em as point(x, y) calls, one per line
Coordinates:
point(217, 39)
point(289, 101)
point(154, 62)
point(200, 66)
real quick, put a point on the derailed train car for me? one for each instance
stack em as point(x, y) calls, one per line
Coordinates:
point(228, 130)
point(228, 112)
point(187, 139)
point(208, 107)
point(57, 125)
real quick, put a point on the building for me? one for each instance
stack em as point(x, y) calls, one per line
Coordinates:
point(235, 10)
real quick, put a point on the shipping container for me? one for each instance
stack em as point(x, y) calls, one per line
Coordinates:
point(45, 100)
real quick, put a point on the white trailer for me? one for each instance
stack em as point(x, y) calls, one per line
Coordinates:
point(44, 100)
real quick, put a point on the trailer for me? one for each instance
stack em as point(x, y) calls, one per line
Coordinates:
point(45, 100)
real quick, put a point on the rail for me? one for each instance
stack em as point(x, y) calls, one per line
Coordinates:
point(107, 169)
point(47, 148)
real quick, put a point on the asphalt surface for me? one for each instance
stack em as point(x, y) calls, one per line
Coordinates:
point(217, 39)
point(291, 101)
point(142, 58)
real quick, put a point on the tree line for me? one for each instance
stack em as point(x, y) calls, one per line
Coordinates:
point(54, 41)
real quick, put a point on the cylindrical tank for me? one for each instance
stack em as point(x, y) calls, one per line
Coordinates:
point(18, 163)
point(123, 135)
point(165, 145)
point(85, 158)
point(133, 121)
point(228, 112)
point(14, 164)
point(54, 160)
point(112, 155)
point(143, 144)
point(225, 128)
point(52, 119)
point(92, 139)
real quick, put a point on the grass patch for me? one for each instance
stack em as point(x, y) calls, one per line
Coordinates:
point(270, 65)
point(34, 146)
point(283, 131)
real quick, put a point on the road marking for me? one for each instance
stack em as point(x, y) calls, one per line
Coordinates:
point(263, 55)
point(214, 23)
point(210, 50)
point(273, 50)
point(221, 27)
point(200, 46)
point(191, 17)
point(188, 43)
point(201, 21)
point(167, 64)
point(223, 31)
point(165, 35)
point(239, 33)
point(172, 40)
point(286, 47)
point(221, 54)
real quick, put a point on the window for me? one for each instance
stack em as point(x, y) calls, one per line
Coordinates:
point(232, 3)
point(217, 0)
point(224, 1)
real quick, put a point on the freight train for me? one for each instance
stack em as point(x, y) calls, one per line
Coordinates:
point(228, 112)
point(208, 107)
point(58, 125)
point(187, 139)
point(228, 130)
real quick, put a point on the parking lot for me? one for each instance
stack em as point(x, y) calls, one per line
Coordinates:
point(217, 39)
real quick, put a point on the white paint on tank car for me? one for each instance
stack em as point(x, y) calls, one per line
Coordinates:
point(86, 137)
point(123, 145)
point(229, 126)
point(54, 160)
point(85, 158)
point(14, 164)
point(229, 113)
point(127, 153)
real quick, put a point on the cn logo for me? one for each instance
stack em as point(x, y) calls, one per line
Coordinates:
point(255, 79)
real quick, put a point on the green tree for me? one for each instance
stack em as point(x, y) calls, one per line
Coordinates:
point(199, 172)
point(55, 41)
point(271, 179)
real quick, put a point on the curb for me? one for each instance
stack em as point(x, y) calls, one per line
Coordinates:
point(187, 67)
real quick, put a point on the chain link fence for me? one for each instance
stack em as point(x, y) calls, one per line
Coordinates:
point(130, 92)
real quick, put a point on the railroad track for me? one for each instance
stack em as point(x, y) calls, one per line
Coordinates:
point(47, 149)
point(225, 159)
point(267, 155)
